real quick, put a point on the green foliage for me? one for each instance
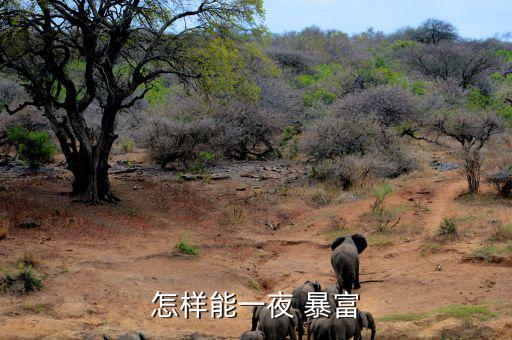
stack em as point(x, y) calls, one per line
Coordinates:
point(391, 77)
point(227, 68)
point(448, 227)
point(288, 133)
point(205, 160)
point(321, 73)
point(184, 247)
point(157, 95)
point(34, 147)
point(127, 145)
point(478, 100)
point(506, 54)
point(23, 281)
point(418, 88)
point(380, 192)
point(383, 216)
point(319, 96)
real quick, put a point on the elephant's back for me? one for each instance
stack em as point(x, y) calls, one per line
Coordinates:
point(344, 254)
point(274, 329)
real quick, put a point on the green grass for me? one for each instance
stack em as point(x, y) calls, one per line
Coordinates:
point(404, 317)
point(380, 240)
point(430, 248)
point(37, 308)
point(253, 284)
point(465, 312)
point(502, 232)
point(184, 247)
point(487, 252)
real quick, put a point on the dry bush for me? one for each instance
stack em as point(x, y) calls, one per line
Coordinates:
point(351, 152)
point(502, 182)
point(247, 133)
point(29, 119)
point(333, 138)
point(169, 141)
point(392, 105)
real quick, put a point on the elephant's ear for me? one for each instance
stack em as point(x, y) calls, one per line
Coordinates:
point(337, 242)
point(371, 321)
point(360, 242)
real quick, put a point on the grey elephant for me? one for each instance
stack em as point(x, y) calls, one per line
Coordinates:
point(300, 297)
point(332, 289)
point(345, 261)
point(252, 335)
point(348, 328)
point(318, 329)
point(132, 336)
point(276, 328)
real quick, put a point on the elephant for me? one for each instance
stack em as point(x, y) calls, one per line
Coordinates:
point(133, 336)
point(252, 335)
point(319, 329)
point(332, 289)
point(348, 328)
point(345, 261)
point(276, 328)
point(300, 297)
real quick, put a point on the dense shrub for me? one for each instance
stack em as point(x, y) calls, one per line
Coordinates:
point(332, 138)
point(502, 182)
point(169, 141)
point(352, 150)
point(390, 104)
point(246, 133)
point(34, 147)
point(23, 281)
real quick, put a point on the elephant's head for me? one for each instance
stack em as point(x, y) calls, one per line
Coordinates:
point(358, 240)
point(315, 284)
point(366, 320)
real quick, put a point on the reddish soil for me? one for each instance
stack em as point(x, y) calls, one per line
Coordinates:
point(101, 265)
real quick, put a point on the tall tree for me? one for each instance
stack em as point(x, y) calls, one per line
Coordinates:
point(72, 54)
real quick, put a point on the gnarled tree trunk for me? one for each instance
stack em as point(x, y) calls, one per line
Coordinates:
point(90, 170)
point(473, 166)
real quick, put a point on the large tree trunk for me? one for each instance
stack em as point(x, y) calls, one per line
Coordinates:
point(98, 183)
point(90, 171)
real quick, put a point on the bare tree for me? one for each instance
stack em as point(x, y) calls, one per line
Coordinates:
point(465, 62)
point(472, 130)
point(71, 54)
point(433, 31)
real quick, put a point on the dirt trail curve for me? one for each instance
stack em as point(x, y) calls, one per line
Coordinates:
point(444, 194)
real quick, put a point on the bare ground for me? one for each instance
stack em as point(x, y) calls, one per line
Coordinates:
point(101, 266)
